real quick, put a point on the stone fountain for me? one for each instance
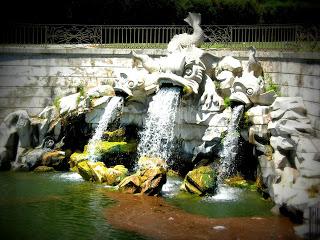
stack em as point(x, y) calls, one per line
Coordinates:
point(276, 129)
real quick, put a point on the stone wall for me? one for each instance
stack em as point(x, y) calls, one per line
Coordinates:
point(32, 76)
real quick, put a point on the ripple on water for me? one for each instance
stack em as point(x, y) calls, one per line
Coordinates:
point(225, 194)
point(68, 177)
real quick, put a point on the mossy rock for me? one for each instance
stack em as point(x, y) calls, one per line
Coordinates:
point(201, 180)
point(146, 162)
point(148, 182)
point(115, 136)
point(105, 147)
point(98, 172)
point(76, 158)
point(43, 169)
point(240, 182)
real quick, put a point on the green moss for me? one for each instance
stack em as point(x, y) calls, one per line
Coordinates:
point(103, 147)
point(240, 182)
point(56, 103)
point(116, 136)
point(76, 158)
point(186, 90)
point(246, 120)
point(227, 102)
point(201, 180)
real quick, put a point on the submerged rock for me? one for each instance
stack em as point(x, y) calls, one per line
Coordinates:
point(200, 181)
point(43, 169)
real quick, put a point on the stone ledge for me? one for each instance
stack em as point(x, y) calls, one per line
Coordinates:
point(94, 49)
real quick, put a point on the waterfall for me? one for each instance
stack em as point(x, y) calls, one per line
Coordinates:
point(108, 116)
point(157, 136)
point(229, 151)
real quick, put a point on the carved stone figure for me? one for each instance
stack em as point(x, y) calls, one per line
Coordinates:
point(185, 39)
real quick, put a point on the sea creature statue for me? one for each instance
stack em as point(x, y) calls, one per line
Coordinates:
point(253, 64)
point(249, 87)
point(185, 65)
point(185, 39)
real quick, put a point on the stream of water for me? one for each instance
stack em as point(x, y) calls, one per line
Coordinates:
point(157, 136)
point(108, 115)
point(229, 151)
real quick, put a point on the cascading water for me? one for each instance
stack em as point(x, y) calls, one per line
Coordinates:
point(230, 146)
point(115, 105)
point(158, 133)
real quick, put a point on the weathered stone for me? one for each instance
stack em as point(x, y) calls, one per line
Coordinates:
point(145, 162)
point(258, 130)
point(266, 98)
point(285, 127)
point(269, 174)
point(101, 90)
point(29, 160)
point(286, 114)
point(308, 145)
point(301, 157)
point(229, 63)
point(258, 111)
point(294, 104)
point(53, 159)
point(99, 106)
point(214, 133)
point(281, 143)
point(201, 180)
point(69, 103)
point(280, 160)
point(148, 181)
point(310, 169)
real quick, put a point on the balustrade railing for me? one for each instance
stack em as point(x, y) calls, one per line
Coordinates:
point(126, 36)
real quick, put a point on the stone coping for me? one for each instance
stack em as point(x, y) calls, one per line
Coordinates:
point(95, 49)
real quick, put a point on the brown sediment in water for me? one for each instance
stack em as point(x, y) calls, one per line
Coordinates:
point(154, 217)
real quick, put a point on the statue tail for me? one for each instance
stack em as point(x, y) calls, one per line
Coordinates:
point(193, 19)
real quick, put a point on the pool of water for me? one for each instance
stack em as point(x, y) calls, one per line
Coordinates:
point(228, 202)
point(54, 206)
point(63, 206)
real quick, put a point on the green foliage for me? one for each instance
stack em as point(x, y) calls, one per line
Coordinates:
point(56, 102)
point(227, 101)
point(270, 85)
point(246, 120)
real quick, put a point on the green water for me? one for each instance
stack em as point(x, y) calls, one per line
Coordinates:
point(54, 206)
point(228, 202)
point(63, 206)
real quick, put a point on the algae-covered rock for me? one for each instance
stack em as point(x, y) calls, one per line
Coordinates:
point(98, 172)
point(104, 147)
point(43, 169)
point(116, 135)
point(76, 158)
point(148, 181)
point(146, 162)
point(240, 182)
point(85, 171)
point(200, 181)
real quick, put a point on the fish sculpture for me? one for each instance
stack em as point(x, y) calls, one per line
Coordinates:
point(186, 40)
